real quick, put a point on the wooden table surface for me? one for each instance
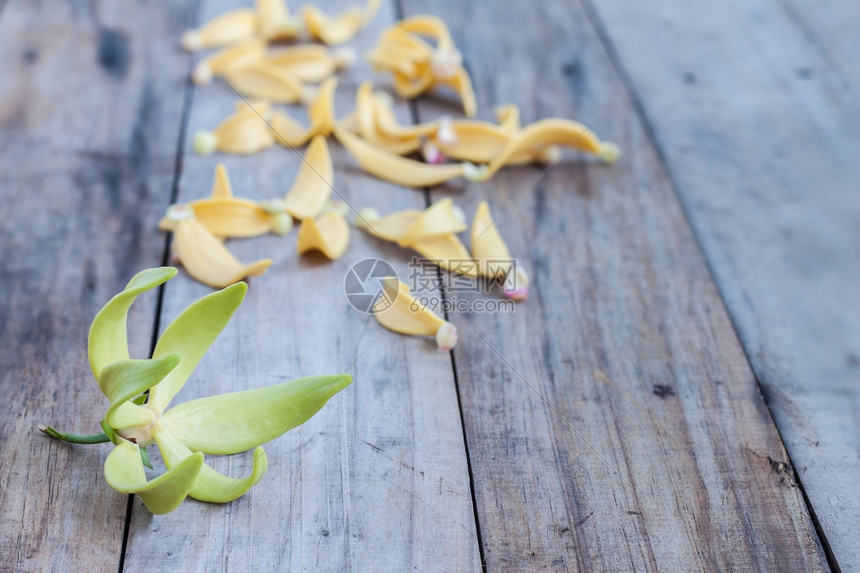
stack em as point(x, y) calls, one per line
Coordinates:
point(679, 393)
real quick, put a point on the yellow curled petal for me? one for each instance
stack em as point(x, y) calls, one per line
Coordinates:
point(387, 124)
point(313, 185)
point(390, 227)
point(447, 252)
point(276, 22)
point(266, 81)
point(508, 116)
point(475, 141)
point(312, 63)
point(221, 187)
point(365, 120)
point(331, 30)
point(406, 315)
point(320, 113)
point(338, 29)
point(210, 485)
point(488, 248)
point(227, 60)
point(108, 336)
point(413, 86)
point(328, 234)
point(462, 84)
point(391, 167)
point(403, 45)
point(225, 29)
point(208, 260)
point(124, 473)
point(244, 132)
point(222, 214)
point(429, 26)
point(441, 218)
point(547, 133)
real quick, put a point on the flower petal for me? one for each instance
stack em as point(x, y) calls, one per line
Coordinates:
point(313, 185)
point(206, 258)
point(108, 338)
point(329, 234)
point(211, 485)
point(235, 422)
point(190, 335)
point(123, 380)
point(124, 472)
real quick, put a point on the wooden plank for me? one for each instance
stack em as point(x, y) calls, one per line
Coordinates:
point(765, 159)
point(612, 420)
point(89, 122)
point(378, 479)
point(830, 27)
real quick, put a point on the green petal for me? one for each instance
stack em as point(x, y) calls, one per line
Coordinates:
point(108, 338)
point(123, 380)
point(124, 472)
point(235, 422)
point(190, 335)
point(211, 485)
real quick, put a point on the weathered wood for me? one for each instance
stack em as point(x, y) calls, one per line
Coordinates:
point(830, 26)
point(762, 141)
point(612, 420)
point(89, 121)
point(377, 481)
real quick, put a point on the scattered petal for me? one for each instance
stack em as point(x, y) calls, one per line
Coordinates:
point(328, 234)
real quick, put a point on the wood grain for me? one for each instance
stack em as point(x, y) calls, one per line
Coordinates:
point(762, 139)
point(89, 120)
point(612, 420)
point(377, 481)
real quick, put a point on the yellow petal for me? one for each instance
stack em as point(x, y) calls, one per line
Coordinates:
point(313, 185)
point(391, 167)
point(210, 485)
point(413, 86)
point(549, 132)
point(462, 84)
point(389, 228)
point(221, 187)
point(227, 60)
point(508, 116)
point(225, 29)
point(222, 214)
point(448, 252)
point(276, 22)
point(475, 141)
point(328, 234)
point(124, 473)
point(407, 315)
point(208, 260)
point(387, 124)
point(267, 81)
point(312, 63)
point(244, 132)
point(429, 26)
point(338, 29)
point(439, 219)
point(320, 112)
point(488, 248)
point(365, 119)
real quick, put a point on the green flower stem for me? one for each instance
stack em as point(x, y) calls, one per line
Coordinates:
point(75, 438)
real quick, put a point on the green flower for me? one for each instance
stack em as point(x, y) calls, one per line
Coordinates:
point(223, 424)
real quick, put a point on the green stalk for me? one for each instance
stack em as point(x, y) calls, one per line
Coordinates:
point(75, 438)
